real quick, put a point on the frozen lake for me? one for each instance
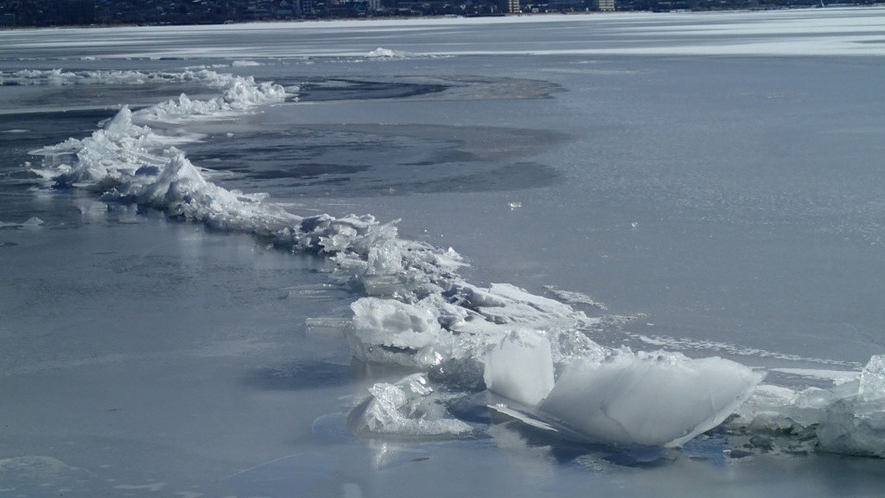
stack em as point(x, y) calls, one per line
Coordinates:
point(709, 185)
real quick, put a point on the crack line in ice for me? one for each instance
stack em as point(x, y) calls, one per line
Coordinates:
point(732, 349)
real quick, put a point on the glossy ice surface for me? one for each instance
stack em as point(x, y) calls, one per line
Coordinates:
point(704, 184)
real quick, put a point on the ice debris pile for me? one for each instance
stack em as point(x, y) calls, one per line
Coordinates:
point(382, 53)
point(532, 352)
point(60, 77)
point(410, 407)
point(386, 53)
point(599, 396)
point(848, 418)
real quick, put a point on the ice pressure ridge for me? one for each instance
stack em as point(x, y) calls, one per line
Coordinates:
point(848, 418)
point(533, 353)
point(61, 77)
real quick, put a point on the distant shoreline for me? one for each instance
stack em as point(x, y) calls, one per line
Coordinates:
point(414, 17)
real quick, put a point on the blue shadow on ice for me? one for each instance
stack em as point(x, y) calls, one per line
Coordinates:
point(310, 374)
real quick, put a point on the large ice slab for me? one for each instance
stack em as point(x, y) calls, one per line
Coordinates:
point(629, 399)
point(648, 399)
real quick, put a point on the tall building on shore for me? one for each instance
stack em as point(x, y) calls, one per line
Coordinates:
point(605, 5)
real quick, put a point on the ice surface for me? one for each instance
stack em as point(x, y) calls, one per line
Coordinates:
point(587, 243)
point(575, 298)
point(419, 312)
point(825, 32)
point(32, 222)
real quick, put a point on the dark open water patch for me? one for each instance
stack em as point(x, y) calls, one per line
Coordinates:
point(26, 131)
point(308, 171)
point(334, 89)
point(19, 135)
point(452, 87)
point(104, 96)
point(371, 160)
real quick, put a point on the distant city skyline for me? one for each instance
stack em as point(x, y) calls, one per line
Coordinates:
point(37, 13)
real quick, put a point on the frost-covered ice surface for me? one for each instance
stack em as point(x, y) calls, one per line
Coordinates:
point(439, 211)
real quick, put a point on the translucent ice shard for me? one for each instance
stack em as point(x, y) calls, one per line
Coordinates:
point(521, 368)
point(392, 324)
point(623, 398)
point(856, 424)
point(410, 407)
point(660, 399)
point(872, 380)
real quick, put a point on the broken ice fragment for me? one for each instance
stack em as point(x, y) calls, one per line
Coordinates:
point(388, 322)
point(661, 399)
point(521, 368)
point(855, 425)
point(629, 399)
point(872, 379)
point(410, 407)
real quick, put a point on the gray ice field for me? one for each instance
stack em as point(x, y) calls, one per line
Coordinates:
point(636, 255)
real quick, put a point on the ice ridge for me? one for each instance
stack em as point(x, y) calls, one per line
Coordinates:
point(848, 418)
point(60, 77)
point(418, 312)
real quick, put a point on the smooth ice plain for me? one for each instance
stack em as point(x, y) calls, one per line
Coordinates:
point(632, 252)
